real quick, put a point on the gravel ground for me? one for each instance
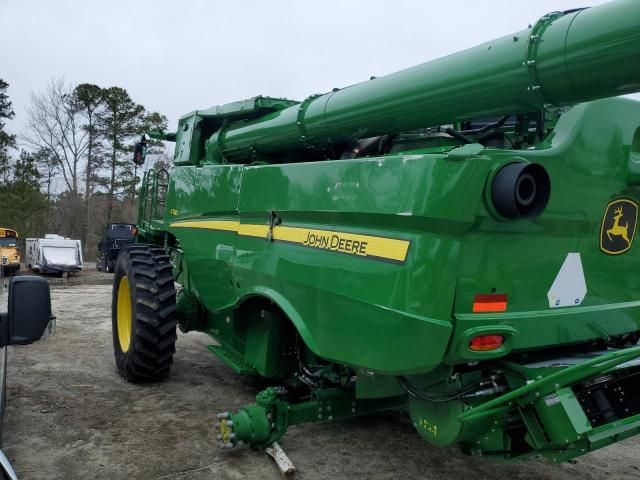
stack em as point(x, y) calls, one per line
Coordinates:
point(70, 416)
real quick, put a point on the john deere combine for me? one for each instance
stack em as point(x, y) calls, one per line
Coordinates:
point(455, 239)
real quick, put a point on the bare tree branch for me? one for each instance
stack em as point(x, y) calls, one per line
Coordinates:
point(55, 125)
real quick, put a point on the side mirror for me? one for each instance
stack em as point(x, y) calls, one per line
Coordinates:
point(140, 152)
point(29, 314)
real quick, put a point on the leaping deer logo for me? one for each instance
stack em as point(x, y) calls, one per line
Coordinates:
point(617, 229)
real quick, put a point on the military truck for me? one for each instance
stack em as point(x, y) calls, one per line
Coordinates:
point(115, 236)
point(455, 240)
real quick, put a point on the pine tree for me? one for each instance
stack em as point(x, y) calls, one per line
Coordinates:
point(6, 140)
point(119, 124)
point(152, 121)
point(22, 193)
point(89, 101)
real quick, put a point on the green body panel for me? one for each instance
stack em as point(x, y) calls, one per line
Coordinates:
point(588, 159)
point(343, 246)
point(458, 249)
point(198, 192)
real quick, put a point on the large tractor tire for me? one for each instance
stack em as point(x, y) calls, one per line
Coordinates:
point(143, 313)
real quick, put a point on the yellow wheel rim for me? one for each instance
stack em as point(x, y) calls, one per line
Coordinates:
point(124, 314)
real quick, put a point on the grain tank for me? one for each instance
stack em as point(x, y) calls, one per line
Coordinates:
point(455, 239)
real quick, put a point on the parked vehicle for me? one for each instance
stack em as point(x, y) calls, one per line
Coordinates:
point(28, 319)
point(53, 254)
point(115, 236)
point(9, 251)
point(454, 239)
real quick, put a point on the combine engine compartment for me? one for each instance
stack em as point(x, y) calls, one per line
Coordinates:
point(610, 398)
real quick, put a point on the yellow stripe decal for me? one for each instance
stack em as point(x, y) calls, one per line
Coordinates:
point(226, 225)
point(382, 248)
point(250, 230)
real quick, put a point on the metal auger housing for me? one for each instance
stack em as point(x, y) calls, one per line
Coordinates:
point(556, 62)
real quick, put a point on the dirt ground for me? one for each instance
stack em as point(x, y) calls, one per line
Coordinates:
point(70, 416)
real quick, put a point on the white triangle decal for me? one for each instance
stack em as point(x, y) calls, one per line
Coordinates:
point(569, 288)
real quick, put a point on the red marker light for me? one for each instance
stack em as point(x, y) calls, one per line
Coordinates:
point(486, 343)
point(495, 302)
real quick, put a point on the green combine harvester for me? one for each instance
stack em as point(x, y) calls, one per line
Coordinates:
point(455, 240)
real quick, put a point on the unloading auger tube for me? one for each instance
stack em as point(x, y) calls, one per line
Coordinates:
point(564, 58)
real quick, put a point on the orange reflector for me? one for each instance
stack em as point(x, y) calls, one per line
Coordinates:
point(495, 302)
point(486, 343)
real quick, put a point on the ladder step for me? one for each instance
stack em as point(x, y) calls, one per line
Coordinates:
point(233, 360)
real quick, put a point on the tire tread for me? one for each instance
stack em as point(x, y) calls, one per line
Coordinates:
point(154, 326)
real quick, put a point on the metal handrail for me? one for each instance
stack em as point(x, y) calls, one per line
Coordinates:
point(153, 193)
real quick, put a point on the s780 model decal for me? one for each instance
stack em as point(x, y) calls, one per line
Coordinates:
point(366, 246)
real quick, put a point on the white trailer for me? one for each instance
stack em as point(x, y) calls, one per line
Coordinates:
point(53, 254)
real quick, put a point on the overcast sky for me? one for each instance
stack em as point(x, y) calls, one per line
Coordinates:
point(174, 57)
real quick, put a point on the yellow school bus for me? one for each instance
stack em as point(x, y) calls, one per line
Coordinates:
point(9, 251)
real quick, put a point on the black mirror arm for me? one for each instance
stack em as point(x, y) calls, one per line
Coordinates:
point(4, 329)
